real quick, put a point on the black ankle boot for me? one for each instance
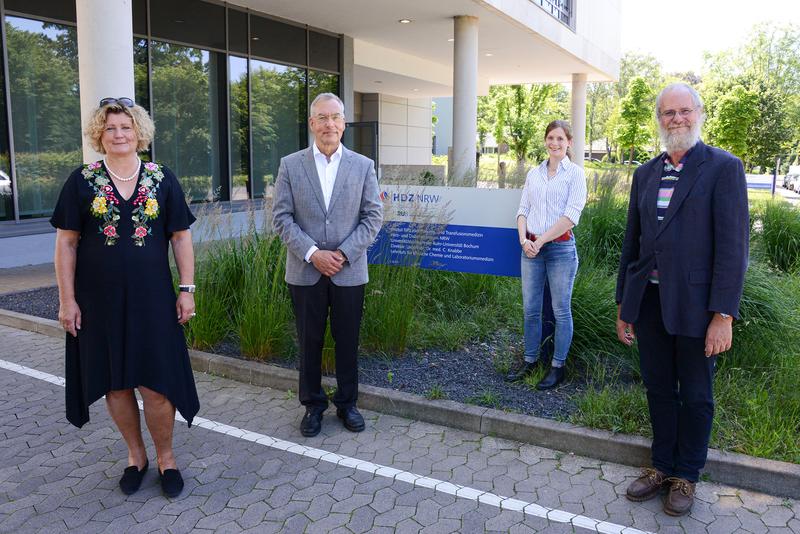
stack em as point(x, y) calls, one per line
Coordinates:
point(553, 378)
point(526, 369)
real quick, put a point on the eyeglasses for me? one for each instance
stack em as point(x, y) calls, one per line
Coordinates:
point(670, 113)
point(335, 117)
point(121, 101)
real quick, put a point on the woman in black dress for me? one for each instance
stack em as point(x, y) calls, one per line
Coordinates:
point(116, 219)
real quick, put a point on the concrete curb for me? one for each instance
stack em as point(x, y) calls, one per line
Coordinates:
point(748, 472)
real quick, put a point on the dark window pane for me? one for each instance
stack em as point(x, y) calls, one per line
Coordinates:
point(6, 191)
point(142, 93)
point(239, 129)
point(278, 118)
point(321, 82)
point(237, 31)
point(45, 108)
point(323, 51)
point(140, 17)
point(51, 9)
point(275, 40)
point(185, 96)
point(189, 21)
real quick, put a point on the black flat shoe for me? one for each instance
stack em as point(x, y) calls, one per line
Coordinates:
point(352, 419)
point(553, 378)
point(312, 422)
point(132, 478)
point(171, 482)
point(526, 369)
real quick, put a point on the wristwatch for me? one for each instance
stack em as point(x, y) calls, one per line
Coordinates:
point(724, 315)
point(187, 288)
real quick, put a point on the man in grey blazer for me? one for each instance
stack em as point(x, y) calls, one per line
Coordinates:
point(327, 212)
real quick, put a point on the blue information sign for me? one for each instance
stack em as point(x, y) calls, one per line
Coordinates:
point(449, 228)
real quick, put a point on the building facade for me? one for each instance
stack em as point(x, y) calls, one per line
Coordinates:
point(228, 83)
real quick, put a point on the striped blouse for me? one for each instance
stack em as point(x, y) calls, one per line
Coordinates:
point(545, 199)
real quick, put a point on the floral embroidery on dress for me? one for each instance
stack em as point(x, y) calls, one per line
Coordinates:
point(105, 203)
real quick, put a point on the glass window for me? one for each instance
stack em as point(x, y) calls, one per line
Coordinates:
point(45, 110)
point(275, 40)
point(239, 129)
point(237, 31)
point(51, 9)
point(278, 119)
point(321, 82)
point(189, 21)
point(141, 90)
point(186, 113)
point(140, 17)
point(323, 51)
point(6, 191)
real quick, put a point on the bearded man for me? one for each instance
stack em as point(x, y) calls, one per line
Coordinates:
point(680, 281)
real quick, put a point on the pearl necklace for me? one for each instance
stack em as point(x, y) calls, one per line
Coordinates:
point(120, 178)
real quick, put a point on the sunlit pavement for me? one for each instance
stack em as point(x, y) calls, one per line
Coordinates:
point(247, 468)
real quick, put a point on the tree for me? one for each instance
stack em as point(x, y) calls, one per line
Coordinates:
point(522, 111)
point(635, 113)
point(735, 115)
point(767, 64)
point(599, 106)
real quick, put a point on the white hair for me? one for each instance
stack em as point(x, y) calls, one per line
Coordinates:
point(697, 102)
point(322, 97)
point(678, 142)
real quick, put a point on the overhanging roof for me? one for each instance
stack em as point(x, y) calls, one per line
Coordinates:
point(518, 41)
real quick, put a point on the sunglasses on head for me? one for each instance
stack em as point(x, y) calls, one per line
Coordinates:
point(121, 101)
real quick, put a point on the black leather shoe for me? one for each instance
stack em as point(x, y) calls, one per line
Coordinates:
point(353, 421)
point(526, 369)
point(132, 478)
point(553, 378)
point(312, 422)
point(171, 482)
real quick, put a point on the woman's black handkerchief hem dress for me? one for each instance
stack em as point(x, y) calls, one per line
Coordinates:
point(129, 334)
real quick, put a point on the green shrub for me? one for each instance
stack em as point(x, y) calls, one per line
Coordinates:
point(780, 235)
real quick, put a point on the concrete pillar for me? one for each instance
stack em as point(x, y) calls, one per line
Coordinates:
point(578, 117)
point(346, 85)
point(105, 55)
point(465, 100)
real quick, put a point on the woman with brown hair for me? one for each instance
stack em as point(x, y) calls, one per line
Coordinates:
point(552, 200)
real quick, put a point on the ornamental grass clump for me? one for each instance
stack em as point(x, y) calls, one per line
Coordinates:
point(779, 235)
point(264, 324)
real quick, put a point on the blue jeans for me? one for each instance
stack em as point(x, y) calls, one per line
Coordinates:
point(556, 264)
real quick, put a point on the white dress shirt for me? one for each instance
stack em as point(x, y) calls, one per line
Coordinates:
point(326, 171)
point(544, 200)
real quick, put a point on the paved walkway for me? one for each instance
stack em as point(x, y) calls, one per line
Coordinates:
point(248, 469)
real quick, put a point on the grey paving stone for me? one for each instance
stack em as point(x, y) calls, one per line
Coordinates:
point(777, 516)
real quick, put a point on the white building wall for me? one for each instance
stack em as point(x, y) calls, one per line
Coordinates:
point(404, 127)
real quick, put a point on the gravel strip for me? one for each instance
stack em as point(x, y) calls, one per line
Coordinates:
point(467, 375)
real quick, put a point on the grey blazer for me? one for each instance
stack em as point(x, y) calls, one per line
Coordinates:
point(350, 224)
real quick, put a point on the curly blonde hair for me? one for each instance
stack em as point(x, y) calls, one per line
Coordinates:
point(142, 125)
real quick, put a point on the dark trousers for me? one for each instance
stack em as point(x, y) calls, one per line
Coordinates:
point(311, 305)
point(548, 326)
point(679, 381)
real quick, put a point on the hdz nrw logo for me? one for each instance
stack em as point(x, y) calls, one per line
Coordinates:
point(411, 197)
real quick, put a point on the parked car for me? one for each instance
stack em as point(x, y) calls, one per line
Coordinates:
point(794, 183)
point(5, 184)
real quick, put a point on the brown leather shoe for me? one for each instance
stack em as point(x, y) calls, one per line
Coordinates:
point(647, 486)
point(680, 497)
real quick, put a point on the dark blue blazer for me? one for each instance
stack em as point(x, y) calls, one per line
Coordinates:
point(701, 246)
